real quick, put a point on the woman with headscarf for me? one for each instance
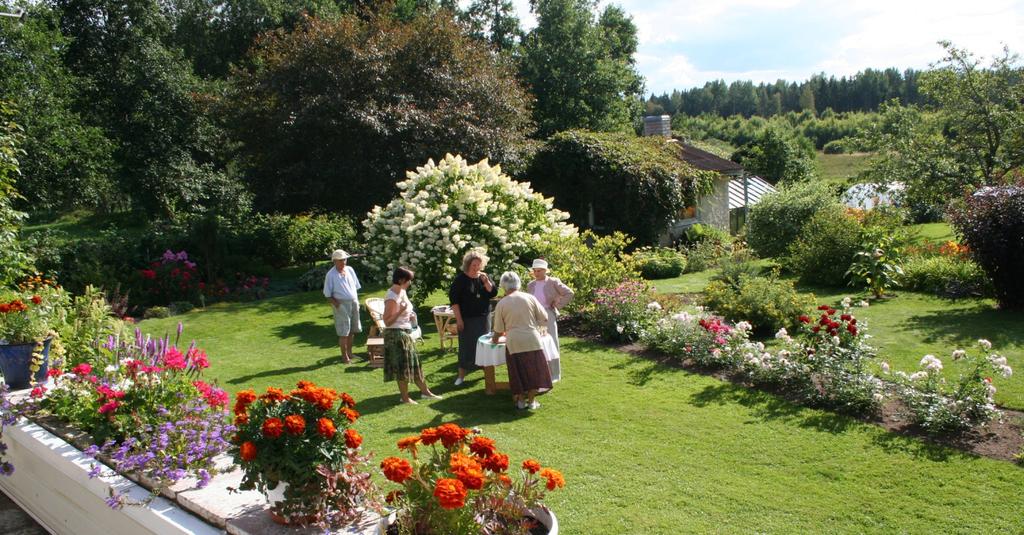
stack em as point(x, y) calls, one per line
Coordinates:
point(470, 298)
point(521, 318)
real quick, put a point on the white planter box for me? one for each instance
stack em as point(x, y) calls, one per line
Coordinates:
point(51, 482)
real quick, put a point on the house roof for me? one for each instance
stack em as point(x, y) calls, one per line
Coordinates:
point(757, 187)
point(702, 159)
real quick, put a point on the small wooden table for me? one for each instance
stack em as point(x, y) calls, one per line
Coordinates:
point(489, 355)
point(444, 318)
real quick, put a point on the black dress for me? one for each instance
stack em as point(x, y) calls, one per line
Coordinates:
point(474, 303)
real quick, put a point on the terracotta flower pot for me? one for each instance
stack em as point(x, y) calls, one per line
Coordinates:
point(15, 360)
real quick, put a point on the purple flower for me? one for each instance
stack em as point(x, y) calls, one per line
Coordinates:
point(6, 468)
point(95, 471)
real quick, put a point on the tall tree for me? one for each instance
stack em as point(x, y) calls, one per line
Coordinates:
point(581, 70)
point(13, 260)
point(334, 113)
point(495, 22)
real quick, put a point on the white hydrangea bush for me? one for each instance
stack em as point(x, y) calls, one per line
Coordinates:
point(447, 208)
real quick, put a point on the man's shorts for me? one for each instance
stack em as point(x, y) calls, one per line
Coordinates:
point(346, 318)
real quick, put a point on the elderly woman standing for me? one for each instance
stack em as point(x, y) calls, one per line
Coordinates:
point(553, 294)
point(520, 317)
point(470, 297)
point(401, 362)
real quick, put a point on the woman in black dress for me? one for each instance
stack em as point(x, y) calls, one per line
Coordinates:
point(470, 297)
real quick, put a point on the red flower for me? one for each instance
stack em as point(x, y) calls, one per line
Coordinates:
point(36, 299)
point(352, 438)
point(38, 392)
point(451, 434)
point(173, 359)
point(396, 469)
point(846, 317)
point(248, 451)
point(429, 436)
point(804, 319)
point(273, 427)
point(274, 395)
point(496, 463)
point(351, 414)
point(295, 424)
point(109, 406)
point(54, 372)
point(148, 274)
point(531, 466)
point(450, 493)
point(325, 426)
point(823, 307)
point(347, 400)
point(554, 477)
point(82, 369)
point(482, 446)
point(852, 329)
point(815, 329)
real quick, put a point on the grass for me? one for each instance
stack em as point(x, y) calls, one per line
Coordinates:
point(840, 168)
point(645, 448)
point(940, 232)
point(83, 223)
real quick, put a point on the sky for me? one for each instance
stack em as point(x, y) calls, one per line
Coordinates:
point(685, 43)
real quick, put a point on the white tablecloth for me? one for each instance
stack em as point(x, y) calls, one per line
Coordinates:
point(488, 354)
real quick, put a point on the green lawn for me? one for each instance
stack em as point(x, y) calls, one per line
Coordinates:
point(839, 168)
point(939, 232)
point(644, 448)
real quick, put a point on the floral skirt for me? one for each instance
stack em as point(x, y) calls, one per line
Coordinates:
point(401, 362)
point(528, 371)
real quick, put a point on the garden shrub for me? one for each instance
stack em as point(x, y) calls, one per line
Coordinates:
point(701, 233)
point(659, 262)
point(586, 262)
point(623, 312)
point(156, 312)
point(991, 223)
point(768, 303)
point(825, 248)
point(700, 337)
point(947, 276)
point(705, 255)
point(443, 210)
point(283, 240)
point(89, 320)
point(938, 406)
point(635, 185)
point(775, 222)
point(313, 278)
point(736, 266)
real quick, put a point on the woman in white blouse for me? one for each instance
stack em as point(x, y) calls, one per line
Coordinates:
point(401, 362)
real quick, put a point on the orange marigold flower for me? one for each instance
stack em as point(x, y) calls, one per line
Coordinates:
point(505, 480)
point(295, 424)
point(273, 427)
point(274, 395)
point(305, 384)
point(496, 463)
point(429, 436)
point(325, 426)
point(482, 446)
point(36, 299)
point(467, 470)
point(409, 444)
point(241, 419)
point(396, 469)
point(352, 438)
point(554, 477)
point(451, 434)
point(393, 495)
point(348, 400)
point(531, 466)
point(248, 450)
point(450, 493)
point(351, 414)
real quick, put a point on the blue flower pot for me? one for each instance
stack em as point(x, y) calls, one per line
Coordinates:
point(15, 360)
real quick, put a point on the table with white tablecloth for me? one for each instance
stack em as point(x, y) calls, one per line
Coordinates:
point(489, 355)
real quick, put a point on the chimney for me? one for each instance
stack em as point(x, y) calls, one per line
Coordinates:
point(658, 125)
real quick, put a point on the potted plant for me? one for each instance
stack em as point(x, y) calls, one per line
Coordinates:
point(29, 319)
point(457, 482)
point(300, 451)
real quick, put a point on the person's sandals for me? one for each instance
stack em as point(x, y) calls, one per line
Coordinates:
point(534, 405)
point(521, 405)
point(459, 381)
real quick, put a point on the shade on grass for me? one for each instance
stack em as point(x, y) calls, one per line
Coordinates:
point(644, 448)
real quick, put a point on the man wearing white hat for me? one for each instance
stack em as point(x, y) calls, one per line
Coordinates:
point(341, 287)
point(553, 294)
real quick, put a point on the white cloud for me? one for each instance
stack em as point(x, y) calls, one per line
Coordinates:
point(677, 72)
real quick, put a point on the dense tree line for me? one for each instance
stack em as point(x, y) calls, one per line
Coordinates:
point(183, 108)
point(864, 91)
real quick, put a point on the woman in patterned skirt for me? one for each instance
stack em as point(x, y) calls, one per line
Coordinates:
point(401, 362)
